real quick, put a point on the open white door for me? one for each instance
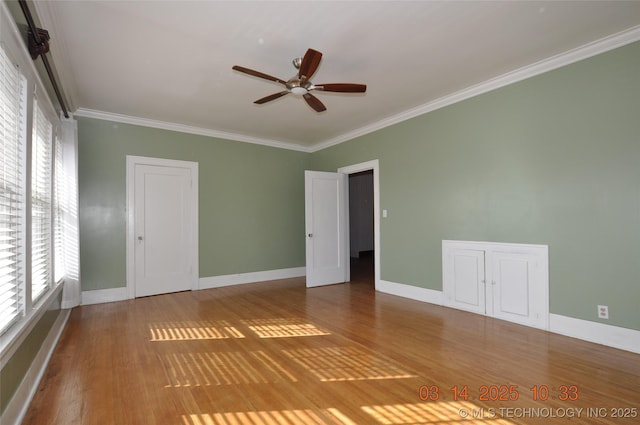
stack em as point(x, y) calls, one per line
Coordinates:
point(326, 203)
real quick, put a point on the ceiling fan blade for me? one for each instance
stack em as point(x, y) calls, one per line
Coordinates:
point(309, 64)
point(342, 87)
point(257, 74)
point(271, 97)
point(314, 102)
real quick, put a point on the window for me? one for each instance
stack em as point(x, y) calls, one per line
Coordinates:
point(38, 197)
point(41, 208)
point(12, 189)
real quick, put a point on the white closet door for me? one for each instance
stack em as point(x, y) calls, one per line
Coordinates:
point(162, 226)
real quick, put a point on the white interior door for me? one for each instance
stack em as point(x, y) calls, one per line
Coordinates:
point(326, 211)
point(164, 229)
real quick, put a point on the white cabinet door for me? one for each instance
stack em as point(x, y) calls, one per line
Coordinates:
point(467, 276)
point(512, 286)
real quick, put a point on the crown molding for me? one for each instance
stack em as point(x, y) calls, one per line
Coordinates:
point(603, 45)
point(145, 122)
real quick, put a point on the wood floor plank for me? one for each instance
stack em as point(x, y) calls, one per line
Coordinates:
point(277, 353)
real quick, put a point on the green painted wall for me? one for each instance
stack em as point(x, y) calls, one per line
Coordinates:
point(16, 368)
point(251, 200)
point(551, 160)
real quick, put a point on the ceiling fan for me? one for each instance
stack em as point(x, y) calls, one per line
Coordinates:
point(300, 84)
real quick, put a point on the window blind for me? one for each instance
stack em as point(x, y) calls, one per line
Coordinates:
point(12, 189)
point(41, 208)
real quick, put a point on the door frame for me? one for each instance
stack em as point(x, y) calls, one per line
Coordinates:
point(132, 162)
point(373, 165)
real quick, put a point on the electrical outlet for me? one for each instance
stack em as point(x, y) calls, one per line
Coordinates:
point(603, 312)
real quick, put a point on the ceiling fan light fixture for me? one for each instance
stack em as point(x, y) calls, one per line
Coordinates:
point(300, 91)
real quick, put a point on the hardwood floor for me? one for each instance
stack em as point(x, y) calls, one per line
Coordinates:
point(276, 353)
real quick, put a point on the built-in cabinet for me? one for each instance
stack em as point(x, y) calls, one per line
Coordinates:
point(505, 281)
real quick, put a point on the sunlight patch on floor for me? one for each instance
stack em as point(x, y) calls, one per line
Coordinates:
point(434, 413)
point(193, 330)
point(283, 328)
point(346, 364)
point(223, 368)
point(271, 417)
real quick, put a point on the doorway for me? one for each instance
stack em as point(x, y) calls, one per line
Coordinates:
point(327, 221)
point(367, 174)
point(361, 227)
point(327, 224)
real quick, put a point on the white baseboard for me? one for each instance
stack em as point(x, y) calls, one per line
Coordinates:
point(600, 333)
point(19, 403)
point(100, 296)
point(242, 278)
point(413, 292)
point(120, 294)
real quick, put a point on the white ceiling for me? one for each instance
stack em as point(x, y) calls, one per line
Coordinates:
point(168, 63)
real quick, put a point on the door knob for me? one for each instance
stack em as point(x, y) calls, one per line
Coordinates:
point(139, 238)
point(310, 235)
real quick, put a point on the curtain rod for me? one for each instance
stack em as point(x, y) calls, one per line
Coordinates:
point(39, 46)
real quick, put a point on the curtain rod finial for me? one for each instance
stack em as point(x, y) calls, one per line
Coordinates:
point(38, 43)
